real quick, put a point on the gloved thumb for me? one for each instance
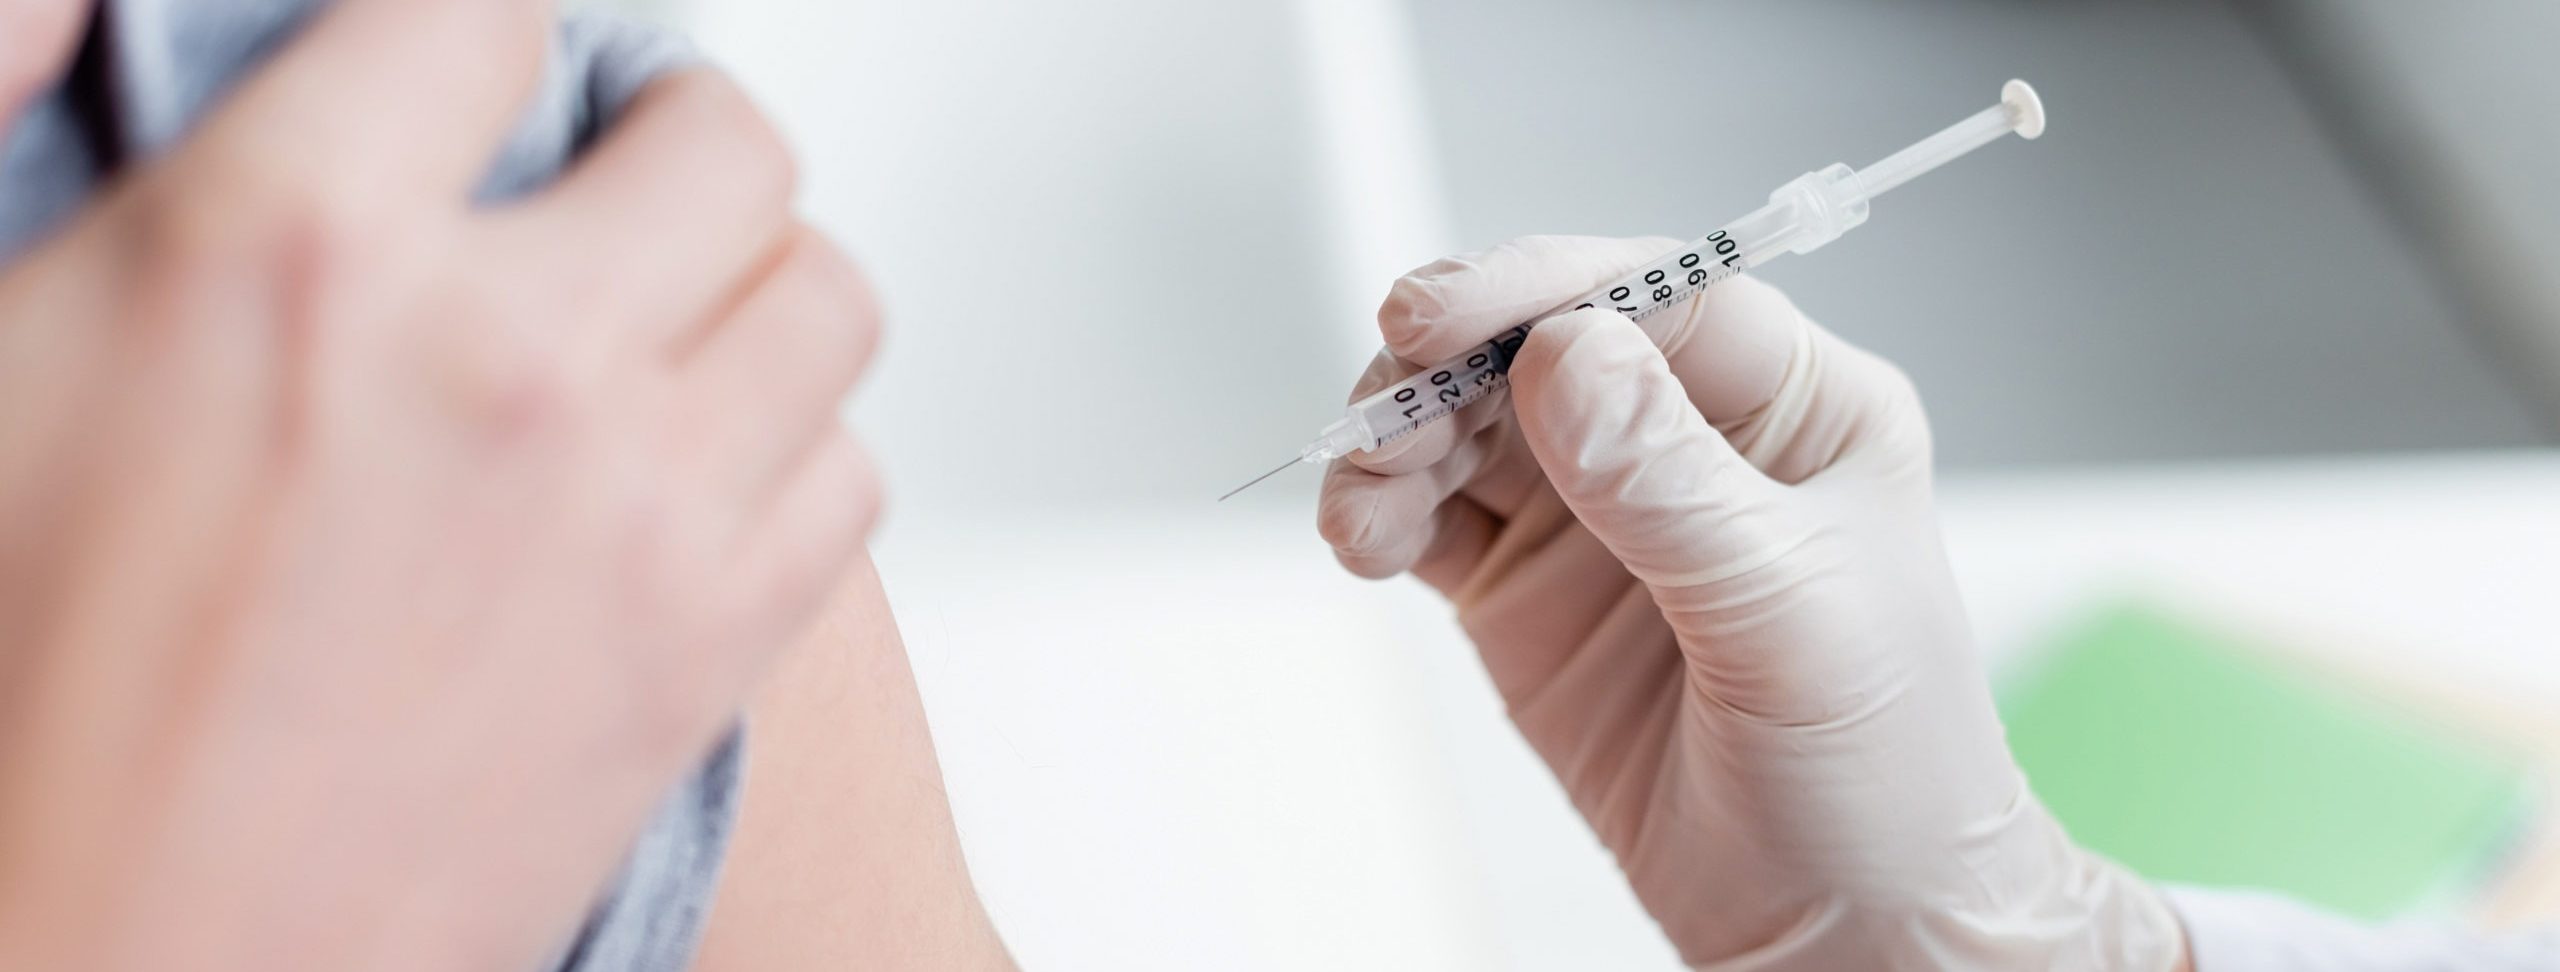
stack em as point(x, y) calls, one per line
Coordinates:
point(1625, 448)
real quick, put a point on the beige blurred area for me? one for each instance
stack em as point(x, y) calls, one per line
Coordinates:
point(2267, 324)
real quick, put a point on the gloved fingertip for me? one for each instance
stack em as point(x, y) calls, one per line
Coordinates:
point(1412, 452)
point(1736, 346)
point(1367, 567)
point(1452, 304)
point(1594, 395)
point(1604, 341)
point(1347, 514)
point(1364, 537)
point(1414, 308)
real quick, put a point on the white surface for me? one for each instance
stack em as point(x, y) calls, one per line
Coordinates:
point(2444, 568)
point(1159, 761)
point(1188, 741)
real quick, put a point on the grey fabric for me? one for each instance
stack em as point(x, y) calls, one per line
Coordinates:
point(149, 69)
point(146, 71)
point(652, 918)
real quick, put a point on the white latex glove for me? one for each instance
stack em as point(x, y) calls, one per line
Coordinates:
point(1707, 581)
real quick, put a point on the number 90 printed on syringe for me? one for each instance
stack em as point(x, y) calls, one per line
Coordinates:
point(1399, 410)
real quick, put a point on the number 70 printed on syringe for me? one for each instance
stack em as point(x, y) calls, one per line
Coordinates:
point(1408, 405)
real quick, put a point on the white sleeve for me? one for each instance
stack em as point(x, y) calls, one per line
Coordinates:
point(2247, 931)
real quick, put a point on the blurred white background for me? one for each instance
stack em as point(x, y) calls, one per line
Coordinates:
point(1129, 248)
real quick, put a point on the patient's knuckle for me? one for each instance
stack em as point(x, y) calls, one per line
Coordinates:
point(756, 155)
point(302, 244)
point(836, 293)
point(514, 392)
point(178, 249)
point(30, 33)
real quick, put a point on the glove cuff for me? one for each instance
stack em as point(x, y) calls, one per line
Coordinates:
point(2034, 900)
point(2066, 908)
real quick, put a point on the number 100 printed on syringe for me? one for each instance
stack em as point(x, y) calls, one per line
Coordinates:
point(1425, 397)
point(1802, 215)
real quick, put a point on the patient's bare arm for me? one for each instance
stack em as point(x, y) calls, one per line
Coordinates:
point(845, 856)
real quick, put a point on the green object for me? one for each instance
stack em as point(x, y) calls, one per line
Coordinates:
point(2193, 759)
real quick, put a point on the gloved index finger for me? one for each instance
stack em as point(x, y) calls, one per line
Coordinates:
point(1455, 303)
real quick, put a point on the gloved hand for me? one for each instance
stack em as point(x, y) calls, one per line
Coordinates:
point(1706, 579)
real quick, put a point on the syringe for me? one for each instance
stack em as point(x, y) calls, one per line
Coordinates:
point(1801, 216)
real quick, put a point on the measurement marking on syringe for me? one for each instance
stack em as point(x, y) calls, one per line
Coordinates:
point(1803, 214)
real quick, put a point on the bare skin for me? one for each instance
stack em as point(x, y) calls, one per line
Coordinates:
point(845, 855)
point(370, 562)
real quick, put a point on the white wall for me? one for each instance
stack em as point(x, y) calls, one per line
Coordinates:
point(1097, 226)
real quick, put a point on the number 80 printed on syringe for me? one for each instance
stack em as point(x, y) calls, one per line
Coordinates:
point(1400, 409)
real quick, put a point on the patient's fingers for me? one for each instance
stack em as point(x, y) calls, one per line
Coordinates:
point(770, 379)
point(387, 104)
point(36, 40)
point(672, 214)
point(795, 551)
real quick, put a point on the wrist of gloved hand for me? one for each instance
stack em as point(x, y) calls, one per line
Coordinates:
point(2024, 897)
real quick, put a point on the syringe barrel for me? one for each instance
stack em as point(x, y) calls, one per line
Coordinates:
point(1346, 435)
point(1402, 408)
point(1810, 210)
point(1407, 406)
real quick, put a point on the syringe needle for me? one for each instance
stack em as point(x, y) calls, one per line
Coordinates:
point(1258, 479)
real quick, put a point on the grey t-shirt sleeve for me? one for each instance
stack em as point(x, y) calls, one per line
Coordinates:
point(651, 920)
point(146, 72)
